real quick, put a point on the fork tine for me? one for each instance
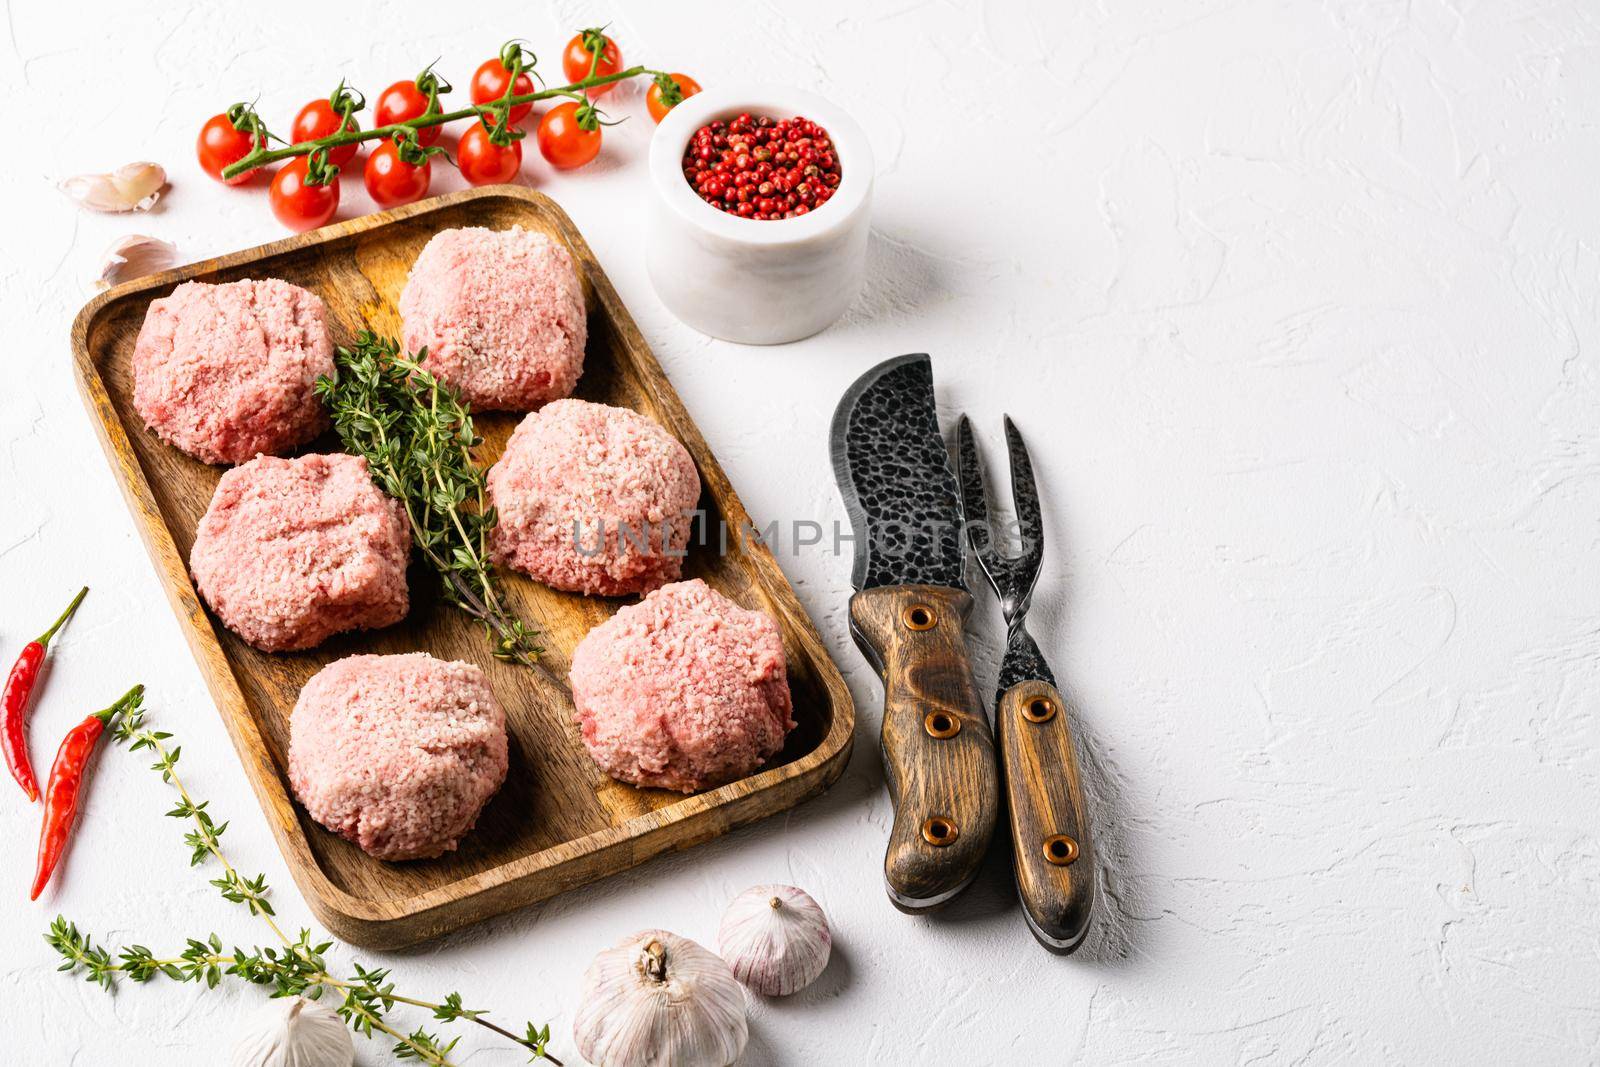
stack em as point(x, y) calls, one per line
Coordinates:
point(1025, 499)
point(974, 504)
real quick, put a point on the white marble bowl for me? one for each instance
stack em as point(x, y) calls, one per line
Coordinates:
point(757, 282)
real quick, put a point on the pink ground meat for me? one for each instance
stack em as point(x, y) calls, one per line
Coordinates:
point(398, 754)
point(224, 372)
point(685, 690)
point(594, 499)
point(292, 551)
point(501, 314)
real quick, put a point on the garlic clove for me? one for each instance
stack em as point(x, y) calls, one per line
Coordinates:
point(294, 1032)
point(659, 1000)
point(133, 256)
point(776, 939)
point(133, 187)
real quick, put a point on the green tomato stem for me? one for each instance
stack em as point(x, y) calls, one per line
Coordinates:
point(261, 157)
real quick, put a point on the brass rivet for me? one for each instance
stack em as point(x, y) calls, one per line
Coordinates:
point(1060, 849)
point(1039, 709)
point(941, 724)
point(939, 831)
point(919, 617)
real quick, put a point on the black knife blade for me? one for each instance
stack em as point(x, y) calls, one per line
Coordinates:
point(894, 472)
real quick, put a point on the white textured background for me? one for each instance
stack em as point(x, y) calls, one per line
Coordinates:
point(1296, 303)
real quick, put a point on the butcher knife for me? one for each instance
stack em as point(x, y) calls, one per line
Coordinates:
point(908, 617)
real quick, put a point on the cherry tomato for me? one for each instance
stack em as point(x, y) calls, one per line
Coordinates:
point(482, 162)
point(317, 120)
point(221, 143)
point(392, 181)
point(300, 206)
point(403, 101)
point(563, 141)
point(489, 85)
point(687, 87)
point(576, 59)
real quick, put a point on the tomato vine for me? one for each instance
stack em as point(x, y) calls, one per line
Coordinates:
point(494, 114)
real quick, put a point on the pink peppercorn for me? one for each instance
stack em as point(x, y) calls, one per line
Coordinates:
point(762, 168)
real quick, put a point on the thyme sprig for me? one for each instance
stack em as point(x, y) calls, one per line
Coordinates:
point(298, 967)
point(417, 438)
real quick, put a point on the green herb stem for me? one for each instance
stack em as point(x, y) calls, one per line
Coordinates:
point(297, 968)
point(417, 437)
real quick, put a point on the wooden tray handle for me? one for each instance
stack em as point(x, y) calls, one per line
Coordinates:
point(938, 750)
point(1049, 824)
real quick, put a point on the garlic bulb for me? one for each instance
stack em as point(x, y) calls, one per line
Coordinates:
point(133, 256)
point(775, 938)
point(660, 1000)
point(294, 1032)
point(133, 187)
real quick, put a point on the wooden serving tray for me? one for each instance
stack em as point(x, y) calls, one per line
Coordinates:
point(558, 822)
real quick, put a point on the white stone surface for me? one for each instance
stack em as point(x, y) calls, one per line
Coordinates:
point(1296, 304)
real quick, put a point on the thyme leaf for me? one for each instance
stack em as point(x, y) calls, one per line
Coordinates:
point(417, 438)
point(298, 967)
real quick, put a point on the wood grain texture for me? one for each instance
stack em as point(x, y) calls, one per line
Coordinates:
point(927, 673)
point(1044, 796)
point(558, 822)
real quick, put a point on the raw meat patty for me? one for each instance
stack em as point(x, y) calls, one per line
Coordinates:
point(224, 372)
point(292, 551)
point(398, 754)
point(593, 499)
point(685, 690)
point(501, 314)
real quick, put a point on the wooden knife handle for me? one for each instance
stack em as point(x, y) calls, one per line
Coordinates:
point(1049, 823)
point(938, 750)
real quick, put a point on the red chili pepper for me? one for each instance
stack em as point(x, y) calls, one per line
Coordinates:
point(66, 781)
point(19, 686)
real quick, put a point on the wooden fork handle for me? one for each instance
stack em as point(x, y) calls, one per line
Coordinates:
point(938, 749)
point(1049, 823)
